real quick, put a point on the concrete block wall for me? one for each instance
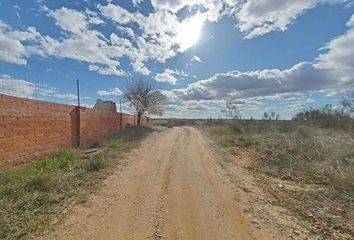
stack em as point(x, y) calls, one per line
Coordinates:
point(31, 128)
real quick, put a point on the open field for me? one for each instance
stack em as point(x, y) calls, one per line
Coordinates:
point(308, 168)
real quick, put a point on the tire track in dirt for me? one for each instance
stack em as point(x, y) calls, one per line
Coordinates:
point(215, 180)
point(172, 188)
point(159, 212)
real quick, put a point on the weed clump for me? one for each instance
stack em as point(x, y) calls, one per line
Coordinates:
point(95, 163)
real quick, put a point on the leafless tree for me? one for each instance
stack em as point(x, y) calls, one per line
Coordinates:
point(144, 98)
point(348, 102)
point(271, 116)
point(231, 110)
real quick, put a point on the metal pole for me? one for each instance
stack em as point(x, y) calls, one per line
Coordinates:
point(78, 92)
point(120, 105)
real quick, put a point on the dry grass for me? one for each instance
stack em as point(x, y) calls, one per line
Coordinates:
point(36, 196)
point(312, 153)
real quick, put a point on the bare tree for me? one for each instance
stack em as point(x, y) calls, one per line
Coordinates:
point(270, 116)
point(144, 98)
point(231, 110)
point(348, 102)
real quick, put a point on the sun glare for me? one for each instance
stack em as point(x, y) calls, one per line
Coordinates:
point(190, 31)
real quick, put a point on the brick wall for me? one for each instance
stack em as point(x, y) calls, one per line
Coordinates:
point(94, 123)
point(31, 128)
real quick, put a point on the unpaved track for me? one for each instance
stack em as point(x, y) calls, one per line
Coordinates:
point(170, 188)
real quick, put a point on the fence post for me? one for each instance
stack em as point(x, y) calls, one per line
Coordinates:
point(78, 92)
point(75, 127)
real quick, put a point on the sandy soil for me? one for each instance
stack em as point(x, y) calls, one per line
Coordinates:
point(177, 186)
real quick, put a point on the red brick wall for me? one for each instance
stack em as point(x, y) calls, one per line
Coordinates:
point(128, 120)
point(30, 128)
point(94, 123)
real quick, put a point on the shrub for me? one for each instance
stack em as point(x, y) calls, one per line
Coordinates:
point(327, 117)
point(94, 165)
point(308, 155)
point(98, 161)
point(236, 127)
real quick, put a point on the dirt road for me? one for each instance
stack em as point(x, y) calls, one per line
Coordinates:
point(170, 188)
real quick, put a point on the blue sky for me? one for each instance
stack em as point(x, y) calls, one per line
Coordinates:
point(263, 55)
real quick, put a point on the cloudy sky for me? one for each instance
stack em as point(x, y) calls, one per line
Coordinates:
point(261, 54)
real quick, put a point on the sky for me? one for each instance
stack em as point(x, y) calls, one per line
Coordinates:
point(262, 55)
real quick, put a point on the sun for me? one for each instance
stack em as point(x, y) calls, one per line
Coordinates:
point(189, 32)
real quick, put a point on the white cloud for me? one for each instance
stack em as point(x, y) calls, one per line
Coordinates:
point(233, 85)
point(69, 20)
point(25, 89)
point(211, 9)
point(110, 70)
point(162, 35)
point(195, 58)
point(253, 17)
point(111, 92)
point(159, 36)
point(158, 30)
point(139, 67)
point(350, 23)
point(173, 5)
point(16, 87)
point(256, 18)
point(259, 17)
point(339, 54)
point(16, 51)
point(93, 17)
point(84, 44)
point(136, 3)
point(129, 31)
point(79, 43)
point(117, 13)
point(169, 76)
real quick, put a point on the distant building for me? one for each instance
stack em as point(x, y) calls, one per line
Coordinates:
point(105, 105)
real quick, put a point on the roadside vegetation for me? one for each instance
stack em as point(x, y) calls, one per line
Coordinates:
point(164, 122)
point(36, 196)
point(314, 152)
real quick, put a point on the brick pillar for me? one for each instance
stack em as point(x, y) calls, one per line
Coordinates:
point(75, 127)
point(120, 121)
